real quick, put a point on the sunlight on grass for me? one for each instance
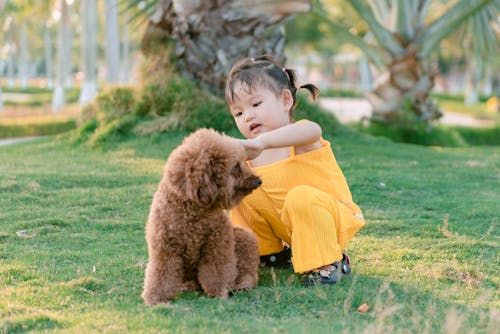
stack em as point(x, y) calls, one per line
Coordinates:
point(73, 252)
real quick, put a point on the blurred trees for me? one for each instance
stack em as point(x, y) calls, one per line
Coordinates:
point(40, 20)
point(400, 40)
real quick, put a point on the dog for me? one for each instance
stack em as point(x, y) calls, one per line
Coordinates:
point(191, 242)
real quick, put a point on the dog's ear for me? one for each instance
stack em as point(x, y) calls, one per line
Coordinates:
point(205, 177)
point(201, 183)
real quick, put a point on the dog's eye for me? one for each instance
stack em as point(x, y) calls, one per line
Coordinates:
point(236, 169)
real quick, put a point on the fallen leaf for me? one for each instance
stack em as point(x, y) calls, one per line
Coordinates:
point(363, 308)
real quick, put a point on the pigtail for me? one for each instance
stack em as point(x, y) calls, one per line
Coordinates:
point(312, 89)
point(292, 78)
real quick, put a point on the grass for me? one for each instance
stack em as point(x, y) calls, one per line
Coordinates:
point(73, 253)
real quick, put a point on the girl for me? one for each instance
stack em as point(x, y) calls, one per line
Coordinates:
point(304, 200)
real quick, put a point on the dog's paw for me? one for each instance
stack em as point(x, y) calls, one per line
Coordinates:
point(190, 286)
point(151, 300)
point(246, 282)
point(155, 297)
point(223, 294)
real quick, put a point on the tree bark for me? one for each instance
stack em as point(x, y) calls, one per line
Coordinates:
point(211, 35)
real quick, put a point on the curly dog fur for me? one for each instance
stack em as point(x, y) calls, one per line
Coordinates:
point(191, 242)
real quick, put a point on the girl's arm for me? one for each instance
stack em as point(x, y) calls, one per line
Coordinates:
point(295, 134)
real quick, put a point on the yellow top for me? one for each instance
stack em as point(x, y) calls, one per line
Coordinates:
point(317, 168)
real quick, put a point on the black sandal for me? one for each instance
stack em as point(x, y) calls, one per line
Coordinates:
point(280, 260)
point(346, 264)
point(328, 277)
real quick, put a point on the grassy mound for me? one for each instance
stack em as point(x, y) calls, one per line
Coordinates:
point(122, 112)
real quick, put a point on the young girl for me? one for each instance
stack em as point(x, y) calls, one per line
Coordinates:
point(304, 200)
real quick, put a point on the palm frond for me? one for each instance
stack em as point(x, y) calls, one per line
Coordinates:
point(405, 12)
point(485, 44)
point(448, 23)
point(373, 54)
point(141, 10)
point(383, 36)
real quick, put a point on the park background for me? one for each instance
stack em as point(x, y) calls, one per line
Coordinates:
point(409, 99)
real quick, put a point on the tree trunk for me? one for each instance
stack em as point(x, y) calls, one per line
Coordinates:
point(212, 35)
point(10, 55)
point(58, 99)
point(487, 84)
point(89, 50)
point(407, 77)
point(125, 64)
point(68, 39)
point(23, 67)
point(112, 41)
point(472, 77)
point(48, 56)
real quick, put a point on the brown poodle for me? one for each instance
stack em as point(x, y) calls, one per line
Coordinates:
point(191, 241)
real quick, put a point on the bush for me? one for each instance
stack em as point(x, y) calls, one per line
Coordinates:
point(115, 103)
point(178, 104)
point(480, 136)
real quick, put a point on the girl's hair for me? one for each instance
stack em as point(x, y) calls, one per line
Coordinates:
point(265, 71)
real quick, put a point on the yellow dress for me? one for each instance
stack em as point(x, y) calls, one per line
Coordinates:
point(304, 201)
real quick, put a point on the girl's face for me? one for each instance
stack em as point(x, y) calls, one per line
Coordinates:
point(260, 110)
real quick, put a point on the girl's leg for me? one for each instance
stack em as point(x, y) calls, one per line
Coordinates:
point(313, 222)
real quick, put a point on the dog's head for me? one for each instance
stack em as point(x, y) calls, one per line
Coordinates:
point(209, 169)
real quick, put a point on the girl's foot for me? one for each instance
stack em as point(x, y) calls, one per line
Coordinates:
point(328, 275)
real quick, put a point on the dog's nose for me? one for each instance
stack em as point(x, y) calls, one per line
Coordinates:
point(258, 181)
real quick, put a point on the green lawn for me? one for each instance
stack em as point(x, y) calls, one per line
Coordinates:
point(73, 253)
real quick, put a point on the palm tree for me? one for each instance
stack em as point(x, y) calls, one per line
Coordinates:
point(403, 40)
point(209, 36)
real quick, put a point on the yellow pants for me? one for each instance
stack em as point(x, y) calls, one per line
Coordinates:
point(314, 224)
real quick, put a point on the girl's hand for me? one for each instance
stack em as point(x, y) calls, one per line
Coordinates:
point(253, 147)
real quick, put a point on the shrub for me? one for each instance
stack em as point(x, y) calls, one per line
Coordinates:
point(178, 104)
point(109, 115)
point(115, 103)
point(480, 136)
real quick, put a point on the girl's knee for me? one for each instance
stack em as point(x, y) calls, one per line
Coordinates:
point(301, 195)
